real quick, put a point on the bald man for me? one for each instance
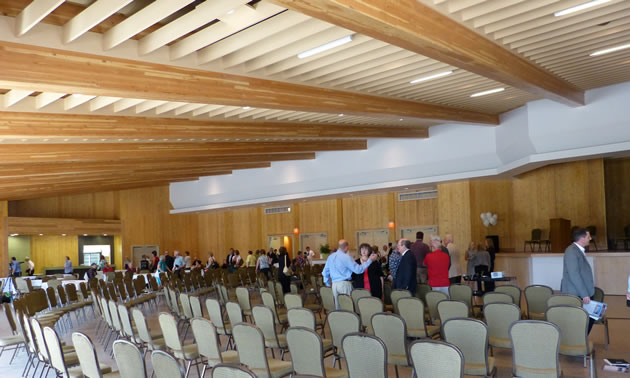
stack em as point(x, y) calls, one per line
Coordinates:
point(339, 268)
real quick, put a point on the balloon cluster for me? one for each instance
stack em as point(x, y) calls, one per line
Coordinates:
point(488, 219)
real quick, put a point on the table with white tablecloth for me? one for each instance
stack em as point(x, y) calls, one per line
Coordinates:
point(76, 283)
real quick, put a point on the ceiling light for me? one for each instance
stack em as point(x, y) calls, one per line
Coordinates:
point(63, 234)
point(491, 91)
point(341, 115)
point(230, 11)
point(246, 107)
point(324, 47)
point(400, 119)
point(431, 77)
point(612, 49)
point(14, 235)
point(104, 234)
point(580, 7)
point(65, 140)
point(41, 234)
point(84, 234)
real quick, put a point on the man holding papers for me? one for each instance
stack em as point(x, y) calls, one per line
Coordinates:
point(577, 275)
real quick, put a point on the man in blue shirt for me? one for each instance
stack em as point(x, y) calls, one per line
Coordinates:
point(16, 269)
point(179, 264)
point(67, 266)
point(339, 268)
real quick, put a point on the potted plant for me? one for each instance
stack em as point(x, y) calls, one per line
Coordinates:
point(324, 251)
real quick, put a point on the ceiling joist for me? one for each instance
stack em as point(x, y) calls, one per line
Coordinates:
point(411, 25)
point(90, 75)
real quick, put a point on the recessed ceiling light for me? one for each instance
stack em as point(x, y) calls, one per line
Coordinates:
point(85, 139)
point(324, 47)
point(491, 91)
point(230, 11)
point(580, 7)
point(609, 50)
point(120, 140)
point(341, 115)
point(24, 140)
point(84, 234)
point(179, 139)
point(430, 77)
point(65, 140)
point(63, 234)
point(246, 107)
point(400, 119)
point(41, 234)
point(46, 140)
point(103, 140)
point(135, 140)
point(151, 140)
point(104, 234)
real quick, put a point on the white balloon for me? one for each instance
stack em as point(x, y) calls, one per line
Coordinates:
point(486, 223)
point(489, 215)
point(483, 216)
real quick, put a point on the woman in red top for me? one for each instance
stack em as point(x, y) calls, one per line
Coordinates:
point(372, 278)
point(437, 263)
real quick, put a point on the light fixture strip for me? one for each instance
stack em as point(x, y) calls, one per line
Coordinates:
point(431, 77)
point(580, 7)
point(491, 91)
point(326, 46)
point(609, 50)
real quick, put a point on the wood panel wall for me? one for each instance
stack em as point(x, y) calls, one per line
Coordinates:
point(571, 190)
point(617, 173)
point(574, 191)
point(51, 251)
point(4, 239)
point(493, 196)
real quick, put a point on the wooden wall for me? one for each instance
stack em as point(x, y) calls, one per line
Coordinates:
point(574, 191)
point(617, 173)
point(51, 251)
point(571, 190)
point(4, 239)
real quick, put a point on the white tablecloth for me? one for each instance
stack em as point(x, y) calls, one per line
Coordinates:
point(76, 283)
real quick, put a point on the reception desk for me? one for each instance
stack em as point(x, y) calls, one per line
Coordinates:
point(611, 269)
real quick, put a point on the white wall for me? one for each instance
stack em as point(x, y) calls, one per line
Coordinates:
point(536, 134)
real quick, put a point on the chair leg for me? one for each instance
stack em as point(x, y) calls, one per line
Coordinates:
point(187, 369)
point(607, 335)
point(203, 371)
point(396, 368)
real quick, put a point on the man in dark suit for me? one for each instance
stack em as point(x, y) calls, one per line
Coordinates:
point(406, 274)
point(577, 275)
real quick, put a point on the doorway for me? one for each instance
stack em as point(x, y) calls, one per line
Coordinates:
point(410, 232)
point(313, 240)
point(373, 237)
point(277, 241)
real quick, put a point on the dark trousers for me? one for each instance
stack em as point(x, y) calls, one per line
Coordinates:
point(591, 321)
point(455, 280)
point(285, 281)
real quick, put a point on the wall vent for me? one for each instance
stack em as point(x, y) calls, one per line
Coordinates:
point(277, 210)
point(414, 196)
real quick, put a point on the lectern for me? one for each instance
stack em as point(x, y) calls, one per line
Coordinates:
point(560, 234)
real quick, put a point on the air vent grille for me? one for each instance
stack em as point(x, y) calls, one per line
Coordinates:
point(414, 196)
point(277, 210)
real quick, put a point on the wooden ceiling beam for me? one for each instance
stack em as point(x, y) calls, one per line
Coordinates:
point(152, 164)
point(416, 27)
point(41, 153)
point(27, 177)
point(48, 191)
point(41, 125)
point(62, 71)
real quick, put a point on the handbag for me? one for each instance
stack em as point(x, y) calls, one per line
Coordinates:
point(287, 271)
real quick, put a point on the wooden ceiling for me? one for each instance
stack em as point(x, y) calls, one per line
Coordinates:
point(113, 94)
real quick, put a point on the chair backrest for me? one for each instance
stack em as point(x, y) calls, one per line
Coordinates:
point(168, 324)
point(535, 346)
point(368, 306)
point(536, 298)
point(392, 330)
point(412, 311)
point(366, 356)
point(38, 333)
point(301, 317)
point(421, 291)
point(599, 295)
point(195, 305)
point(573, 324)
point(234, 312)
point(125, 322)
point(564, 300)
point(451, 309)
point(396, 295)
point(342, 323)
point(55, 353)
point(512, 290)
point(279, 293)
point(499, 318)
point(242, 295)
point(206, 338)
point(264, 319)
point(463, 293)
point(129, 359)
point(470, 336)
point(433, 358)
point(269, 301)
point(328, 300)
point(536, 234)
point(186, 309)
point(494, 297)
point(433, 298)
point(8, 311)
point(214, 312)
point(113, 313)
point(251, 347)
point(292, 301)
point(345, 302)
point(71, 291)
point(231, 371)
point(87, 355)
point(307, 354)
point(357, 294)
point(141, 326)
point(53, 283)
point(165, 365)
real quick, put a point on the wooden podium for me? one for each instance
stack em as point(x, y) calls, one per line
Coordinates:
point(560, 234)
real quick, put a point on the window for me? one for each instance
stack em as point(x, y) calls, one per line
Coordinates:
point(92, 254)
